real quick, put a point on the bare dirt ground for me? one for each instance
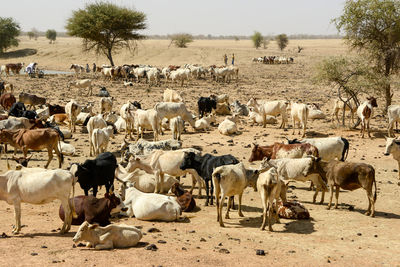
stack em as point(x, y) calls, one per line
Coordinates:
point(339, 237)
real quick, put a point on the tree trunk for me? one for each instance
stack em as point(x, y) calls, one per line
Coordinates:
point(388, 97)
point(109, 56)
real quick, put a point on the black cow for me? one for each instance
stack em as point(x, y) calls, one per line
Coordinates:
point(206, 104)
point(103, 92)
point(17, 109)
point(205, 165)
point(29, 114)
point(95, 172)
point(94, 210)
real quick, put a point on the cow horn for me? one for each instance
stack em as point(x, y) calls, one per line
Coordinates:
point(29, 158)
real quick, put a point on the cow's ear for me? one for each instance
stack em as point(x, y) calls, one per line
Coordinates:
point(93, 226)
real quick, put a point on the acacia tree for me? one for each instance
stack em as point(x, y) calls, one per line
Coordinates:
point(282, 41)
point(106, 28)
point(181, 39)
point(51, 35)
point(372, 28)
point(9, 30)
point(257, 39)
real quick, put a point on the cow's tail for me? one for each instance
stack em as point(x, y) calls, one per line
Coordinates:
point(59, 149)
point(346, 147)
point(374, 186)
point(72, 203)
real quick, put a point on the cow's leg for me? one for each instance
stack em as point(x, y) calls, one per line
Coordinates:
point(95, 190)
point(59, 155)
point(331, 197)
point(270, 208)
point(370, 200)
point(17, 215)
point(86, 190)
point(369, 135)
point(315, 195)
point(221, 223)
point(211, 193)
point(68, 216)
point(207, 192)
point(294, 125)
point(50, 153)
point(277, 220)
point(107, 244)
point(240, 205)
point(265, 209)
point(337, 196)
point(322, 197)
point(390, 129)
point(217, 202)
point(227, 207)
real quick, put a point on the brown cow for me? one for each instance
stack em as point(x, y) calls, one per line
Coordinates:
point(183, 197)
point(60, 119)
point(55, 109)
point(7, 100)
point(15, 68)
point(31, 100)
point(350, 176)
point(36, 139)
point(278, 151)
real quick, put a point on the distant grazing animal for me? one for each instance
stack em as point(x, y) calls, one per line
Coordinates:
point(38, 186)
point(94, 210)
point(184, 197)
point(95, 172)
point(7, 100)
point(147, 119)
point(36, 139)
point(109, 237)
point(205, 165)
point(278, 150)
point(365, 113)
point(314, 112)
point(78, 69)
point(103, 92)
point(101, 138)
point(31, 100)
point(230, 180)
point(206, 105)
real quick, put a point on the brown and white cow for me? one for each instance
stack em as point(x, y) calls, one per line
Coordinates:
point(15, 68)
point(365, 113)
point(36, 139)
point(279, 151)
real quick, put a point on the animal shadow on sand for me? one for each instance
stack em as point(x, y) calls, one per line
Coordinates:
point(19, 53)
point(294, 226)
point(47, 234)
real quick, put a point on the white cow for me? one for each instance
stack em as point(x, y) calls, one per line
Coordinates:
point(228, 126)
point(393, 147)
point(314, 113)
point(230, 180)
point(150, 206)
point(144, 147)
point(72, 109)
point(180, 75)
point(153, 75)
point(269, 184)
point(66, 149)
point(393, 113)
point(120, 124)
point(38, 186)
point(82, 117)
point(108, 237)
point(169, 110)
point(340, 106)
point(126, 113)
point(147, 120)
point(273, 108)
point(82, 84)
point(303, 169)
point(177, 126)
point(172, 96)
point(204, 123)
point(96, 122)
point(256, 118)
point(101, 138)
point(299, 113)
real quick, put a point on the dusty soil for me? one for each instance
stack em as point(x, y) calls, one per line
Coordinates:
point(341, 237)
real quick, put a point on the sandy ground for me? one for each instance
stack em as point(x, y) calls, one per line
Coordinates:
point(339, 237)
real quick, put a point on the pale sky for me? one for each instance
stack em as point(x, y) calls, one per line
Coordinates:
point(216, 17)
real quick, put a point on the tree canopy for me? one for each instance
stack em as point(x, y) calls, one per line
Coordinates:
point(105, 27)
point(51, 35)
point(372, 27)
point(9, 30)
point(257, 39)
point(181, 39)
point(282, 41)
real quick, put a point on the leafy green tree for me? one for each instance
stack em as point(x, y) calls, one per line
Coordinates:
point(51, 35)
point(30, 35)
point(181, 39)
point(282, 41)
point(257, 39)
point(9, 30)
point(106, 28)
point(372, 28)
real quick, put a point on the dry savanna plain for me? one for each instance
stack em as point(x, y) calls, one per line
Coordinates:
point(331, 237)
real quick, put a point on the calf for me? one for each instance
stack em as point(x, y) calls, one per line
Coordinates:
point(96, 122)
point(184, 197)
point(177, 126)
point(205, 165)
point(348, 105)
point(269, 184)
point(278, 150)
point(93, 210)
point(109, 237)
point(95, 172)
point(230, 180)
point(31, 100)
point(365, 113)
point(351, 176)
point(299, 113)
point(72, 110)
point(393, 147)
point(101, 138)
point(7, 100)
point(206, 105)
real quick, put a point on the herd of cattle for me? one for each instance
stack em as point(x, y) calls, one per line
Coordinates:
point(154, 167)
point(273, 60)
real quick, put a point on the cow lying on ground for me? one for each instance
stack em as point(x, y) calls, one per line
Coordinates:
point(278, 151)
point(95, 172)
point(144, 147)
point(184, 197)
point(38, 186)
point(94, 210)
point(109, 237)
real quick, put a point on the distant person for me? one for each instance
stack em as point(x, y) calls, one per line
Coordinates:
point(87, 68)
point(233, 59)
point(94, 67)
point(226, 59)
